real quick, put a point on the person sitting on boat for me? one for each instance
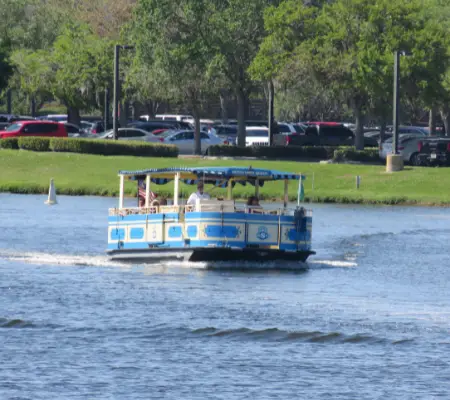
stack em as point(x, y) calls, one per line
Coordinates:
point(199, 194)
point(253, 203)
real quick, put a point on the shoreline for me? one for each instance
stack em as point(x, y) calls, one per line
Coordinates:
point(74, 174)
point(308, 199)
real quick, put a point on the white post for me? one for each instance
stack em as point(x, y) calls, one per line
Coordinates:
point(358, 181)
point(121, 191)
point(147, 191)
point(312, 183)
point(286, 194)
point(176, 189)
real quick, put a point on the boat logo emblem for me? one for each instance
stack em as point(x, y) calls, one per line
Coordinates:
point(262, 233)
point(154, 234)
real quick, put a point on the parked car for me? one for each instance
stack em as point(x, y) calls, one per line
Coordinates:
point(34, 128)
point(408, 147)
point(53, 117)
point(185, 142)
point(406, 129)
point(130, 134)
point(286, 128)
point(256, 136)
point(434, 151)
point(318, 134)
point(153, 125)
point(92, 127)
point(72, 129)
point(171, 117)
point(228, 133)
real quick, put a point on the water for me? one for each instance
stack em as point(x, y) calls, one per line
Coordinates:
point(370, 319)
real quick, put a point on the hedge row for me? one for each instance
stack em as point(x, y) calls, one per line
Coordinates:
point(283, 152)
point(297, 153)
point(350, 154)
point(88, 146)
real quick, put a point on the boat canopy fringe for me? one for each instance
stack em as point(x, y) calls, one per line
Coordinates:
point(218, 176)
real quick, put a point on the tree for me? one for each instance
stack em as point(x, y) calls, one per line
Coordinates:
point(169, 45)
point(5, 69)
point(233, 32)
point(349, 46)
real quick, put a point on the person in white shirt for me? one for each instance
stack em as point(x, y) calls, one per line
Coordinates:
point(199, 194)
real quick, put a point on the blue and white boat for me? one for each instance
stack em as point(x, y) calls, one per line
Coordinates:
point(209, 230)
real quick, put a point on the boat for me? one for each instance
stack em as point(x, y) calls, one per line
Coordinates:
point(210, 230)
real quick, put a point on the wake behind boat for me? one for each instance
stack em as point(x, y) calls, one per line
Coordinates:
point(206, 230)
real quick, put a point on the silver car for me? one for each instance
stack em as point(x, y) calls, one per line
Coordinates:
point(130, 134)
point(408, 147)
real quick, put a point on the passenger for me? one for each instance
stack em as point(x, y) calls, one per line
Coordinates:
point(253, 203)
point(199, 194)
point(141, 201)
point(163, 202)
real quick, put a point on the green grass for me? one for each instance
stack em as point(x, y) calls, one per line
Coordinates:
point(78, 174)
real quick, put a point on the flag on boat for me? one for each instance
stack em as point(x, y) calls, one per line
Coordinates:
point(142, 189)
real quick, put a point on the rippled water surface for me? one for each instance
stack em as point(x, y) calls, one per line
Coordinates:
point(369, 319)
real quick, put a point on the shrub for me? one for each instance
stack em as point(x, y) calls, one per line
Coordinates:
point(351, 154)
point(275, 152)
point(112, 148)
point(34, 143)
point(9, 143)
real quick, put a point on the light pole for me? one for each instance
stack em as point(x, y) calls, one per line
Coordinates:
point(117, 48)
point(271, 121)
point(396, 100)
point(394, 161)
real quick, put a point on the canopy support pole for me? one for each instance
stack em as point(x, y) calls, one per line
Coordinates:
point(176, 189)
point(257, 188)
point(286, 195)
point(230, 190)
point(147, 191)
point(121, 185)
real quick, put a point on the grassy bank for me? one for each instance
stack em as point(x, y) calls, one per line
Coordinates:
point(77, 174)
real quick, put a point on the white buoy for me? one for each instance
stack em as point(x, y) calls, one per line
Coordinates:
point(51, 194)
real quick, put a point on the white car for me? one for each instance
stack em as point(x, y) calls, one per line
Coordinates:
point(408, 147)
point(185, 142)
point(256, 136)
point(130, 134)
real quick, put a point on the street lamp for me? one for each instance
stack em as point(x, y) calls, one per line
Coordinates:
point(396, 105)
point(117, 48)
point(396, 100)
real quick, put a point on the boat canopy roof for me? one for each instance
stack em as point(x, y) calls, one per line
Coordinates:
point(192, 176)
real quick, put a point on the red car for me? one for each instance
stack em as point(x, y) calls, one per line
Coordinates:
point(34, 128)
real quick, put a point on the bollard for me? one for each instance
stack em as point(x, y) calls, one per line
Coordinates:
point(51, 200)
point(358, 181)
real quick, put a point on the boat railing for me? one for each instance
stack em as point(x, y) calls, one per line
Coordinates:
point(210, 207)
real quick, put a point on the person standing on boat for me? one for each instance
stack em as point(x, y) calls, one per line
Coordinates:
point(199, 194)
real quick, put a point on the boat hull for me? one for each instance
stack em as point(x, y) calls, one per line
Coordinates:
point(210, 254)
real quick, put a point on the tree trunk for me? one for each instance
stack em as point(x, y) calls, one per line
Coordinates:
point(359, 128)
point(223, 106)
point(382, 131)
point(197, 137)
point(122, 114)
point(150, 109)
point(33, 106)
point(445, 115)
point(73, 115)
point(432, 121)
point(9, 101)
point(240, 96)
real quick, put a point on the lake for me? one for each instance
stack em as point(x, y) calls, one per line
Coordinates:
point(369, 319)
